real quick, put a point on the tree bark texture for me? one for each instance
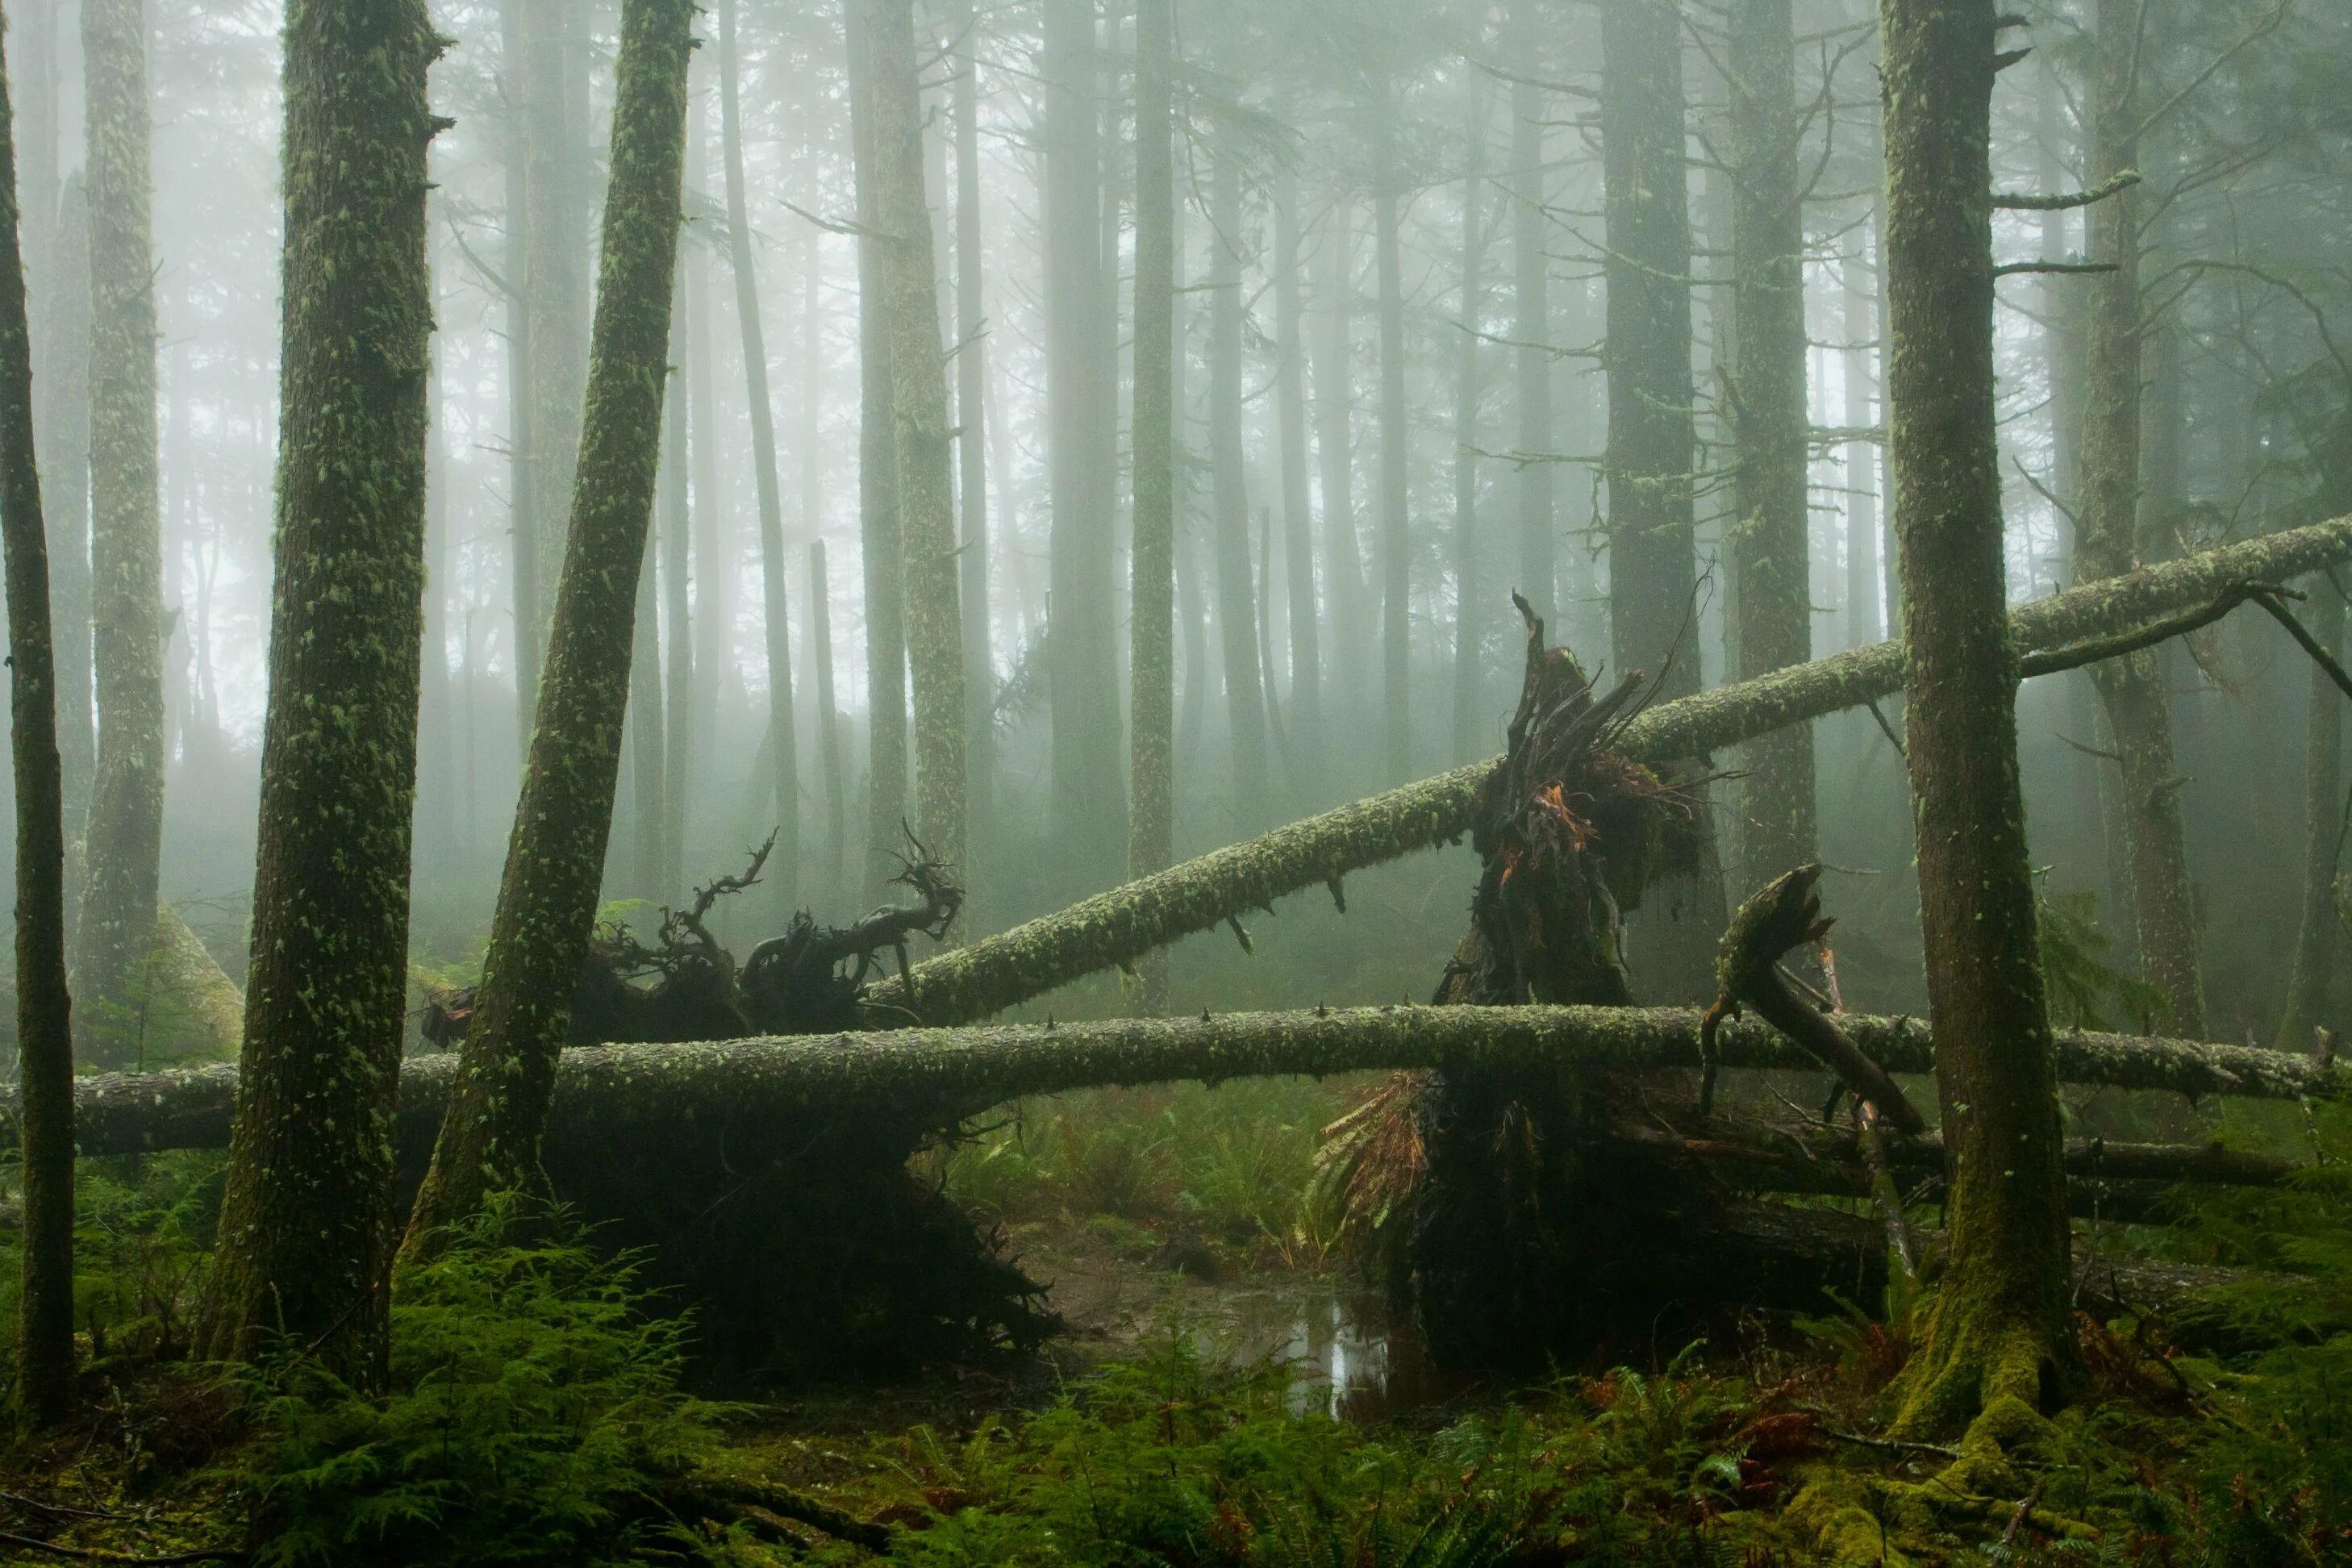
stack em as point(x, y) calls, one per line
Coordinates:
point(123, 848)
point(1121, 925)
point(1770, 545)
point(919, 398)
point(1151, 659)
point(2131, 691)
point(303, 1243)
point(548, 898)
point(2000, 1327)
point(44, 1104)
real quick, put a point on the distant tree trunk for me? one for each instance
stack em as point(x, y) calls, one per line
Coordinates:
point(877, 485)
point(784, 868)
point(1151, 659)
point(2140, 718)
point(1396, 437)
point(1531, 302)
point(828, 723)
point(64, 451)
point(1191, 598)
point(1770, 553)
point(1470, 607)
point(124, 847)
point(645, 739)
point(2313, 994)
point(971, 443)
point(676, 529)
point(1088, 805)
point(1999, 1323)
point(714, 562)
point(1859, 323)
point(1333, 350)
point(525, 572)
point(547, 901)
point(1297, 520)
point(919, 398)
point(45, 1102)
point(302, 1248)
point(1229, 496)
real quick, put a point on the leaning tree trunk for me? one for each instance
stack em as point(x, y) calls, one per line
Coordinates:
point(547, 901)
point(1770, 552)
point(766, 483)
point(1999, 1325)
point(124, 844)
point(45, 1313)
point(1151, 659)
point(303, 1249)
point(919, 398)
point(2111, 538)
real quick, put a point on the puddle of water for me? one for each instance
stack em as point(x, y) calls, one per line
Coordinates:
point(1344, 1353)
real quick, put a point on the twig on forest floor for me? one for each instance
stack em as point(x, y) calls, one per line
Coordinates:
point(2017, 1520)
point(100, 1555)
point(1891, 1445)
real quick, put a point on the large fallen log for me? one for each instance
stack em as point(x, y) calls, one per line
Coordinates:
point(749, 1093)
point(1118, 927)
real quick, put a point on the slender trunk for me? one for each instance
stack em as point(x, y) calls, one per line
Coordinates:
point(1859, 322)
point(828, 723)
point(677, 538)
point(555, 860)
point(878, 483)
point(1771, 557)
point(645, 739)
point(971, 444)
point(2000, 1324)
point(302, 1252)
point(2131, 691)
point(1307, 768)
point(44, 1071)
point(1470, 606)
point(65, 447)
point(524, 568)
point(784, 868)
point(1229, 496)
point(1088, 804)
point(2313, 994)
point(1335, 452)
point(919, 398)
point(124, 847)
point(1151, 659)
point(1531, 302)
point(1396, 434)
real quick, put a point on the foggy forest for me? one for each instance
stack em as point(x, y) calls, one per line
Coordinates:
point(1171, 782)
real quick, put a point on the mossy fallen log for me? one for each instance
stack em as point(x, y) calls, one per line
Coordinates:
point(1118, 927)
point(749, 1092)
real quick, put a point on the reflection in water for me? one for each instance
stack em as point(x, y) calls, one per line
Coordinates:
point(1344, 1352)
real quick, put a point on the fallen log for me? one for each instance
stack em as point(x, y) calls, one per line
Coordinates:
point(751, 1092)
point(1118, 927)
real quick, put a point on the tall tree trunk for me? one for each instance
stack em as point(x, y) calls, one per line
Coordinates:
point(1229, 496)
point(767, 485)
point(971, 443)
point(1531, 302)
point(714, 562)
point(1999, 1321)
point(1859, 324)
point(125, 841)
point(1088, 804)
point(64, 449)
point(555, 860)
point(2313, 994)
point(828, 724)
point(2131, 691)
point(677, 528)
point(1151, 659)
point(303, 1249)
point(44, 1104)
point(1470, 606)
point(878, 487)
point(645, 742)
point(525, 570)
point(1771, 555)
point(1396, 436)
point(1298, 519)
point(919, 398)
point(1335, 451)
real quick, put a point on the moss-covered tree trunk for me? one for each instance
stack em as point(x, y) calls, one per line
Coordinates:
point(45, 1070)
point(124, 838)
point(2111, 538)
point(1770, 546)
point(1471, 609)
point(918, 410)
point(303, 1239)
point(783, 751)
point(555, 859)
point(2000, 1324)
point(1151, 660)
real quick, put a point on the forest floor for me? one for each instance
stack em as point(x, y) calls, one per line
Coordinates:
point(1227, 1391)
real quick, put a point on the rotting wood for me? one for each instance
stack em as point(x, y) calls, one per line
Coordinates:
point(1118, 927)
